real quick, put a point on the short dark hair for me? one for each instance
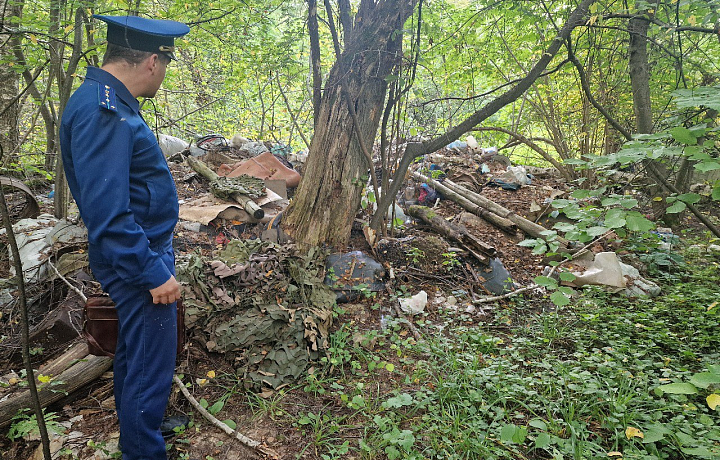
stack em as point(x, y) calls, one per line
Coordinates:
point(115, 53)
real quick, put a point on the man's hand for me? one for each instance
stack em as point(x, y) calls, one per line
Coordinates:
point(168, 292)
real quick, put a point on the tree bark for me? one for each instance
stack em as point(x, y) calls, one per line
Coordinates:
point(327, 198)
point(314, 33)
point(9, 86)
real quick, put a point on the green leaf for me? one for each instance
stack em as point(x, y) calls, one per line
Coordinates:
point(538, 423)
point(230, 423)
point(676, 207)
point(615, 218)
point(559, 299)
point(610, 201)
point(398, 401)
point(637, 222)
point(690, 198)
point(203, 403)
point(581, 194)
point(544, 281)
point(716, 193)
point(217, 407)
point(507, 433)
point(596, 231)
point(654, 434)
point(567, 276)
point(683, 135)
point(678, 389)
point(707, 166)
point(543, 440)
point(702, 96)
point(702, 452)
point(705, 379)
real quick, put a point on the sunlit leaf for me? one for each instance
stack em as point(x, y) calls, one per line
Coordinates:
point(713, 400)
point(683, 135)
point(632, 432)
point(676, 207)
point(638, 223)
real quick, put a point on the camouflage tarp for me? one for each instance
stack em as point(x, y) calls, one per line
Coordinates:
point(265, 306)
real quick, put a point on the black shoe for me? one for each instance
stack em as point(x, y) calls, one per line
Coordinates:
point(172, 424)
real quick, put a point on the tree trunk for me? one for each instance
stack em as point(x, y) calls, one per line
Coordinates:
point(9, 87)
point(328, 196)
point(642, 105)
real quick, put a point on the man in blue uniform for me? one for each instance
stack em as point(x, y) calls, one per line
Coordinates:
point(127, 199)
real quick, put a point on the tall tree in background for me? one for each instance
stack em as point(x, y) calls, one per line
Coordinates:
point(9, 82)
point(327, 199)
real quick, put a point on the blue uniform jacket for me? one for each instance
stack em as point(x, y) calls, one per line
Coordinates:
point(119, 179)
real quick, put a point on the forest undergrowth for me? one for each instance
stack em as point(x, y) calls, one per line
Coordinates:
point(603, 377)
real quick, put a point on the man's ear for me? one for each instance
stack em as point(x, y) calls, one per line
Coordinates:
point(153, 62)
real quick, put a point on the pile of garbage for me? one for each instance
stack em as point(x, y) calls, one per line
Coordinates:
point(261, 304)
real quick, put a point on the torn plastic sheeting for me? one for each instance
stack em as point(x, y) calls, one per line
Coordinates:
point(65, 232)
point(414, 305)
point(497, 278)
point(351, 272)
point(605, 270)
point(30, 235)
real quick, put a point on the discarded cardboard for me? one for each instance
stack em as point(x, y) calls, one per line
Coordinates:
point(209, 207)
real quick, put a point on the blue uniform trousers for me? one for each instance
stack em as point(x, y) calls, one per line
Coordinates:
point(144, 361)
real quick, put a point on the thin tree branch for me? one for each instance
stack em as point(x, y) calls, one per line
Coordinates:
point(416, 149)
point(217, 423)
point(25, 327)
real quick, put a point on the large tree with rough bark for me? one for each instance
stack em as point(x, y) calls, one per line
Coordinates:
point(351, 108)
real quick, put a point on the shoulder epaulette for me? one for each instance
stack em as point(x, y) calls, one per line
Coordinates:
point(107, 98)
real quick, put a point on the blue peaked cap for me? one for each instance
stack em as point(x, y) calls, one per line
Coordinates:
point(144, 34)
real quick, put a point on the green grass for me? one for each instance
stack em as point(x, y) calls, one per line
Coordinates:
point(568, 383)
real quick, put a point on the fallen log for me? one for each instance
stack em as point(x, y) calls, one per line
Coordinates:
point(481, 251)
point(55, 367)
point(527, 226)
point(76, 376)
point(502, 223)
point(248, 204)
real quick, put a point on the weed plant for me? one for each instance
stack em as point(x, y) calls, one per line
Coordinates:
point(589, 380)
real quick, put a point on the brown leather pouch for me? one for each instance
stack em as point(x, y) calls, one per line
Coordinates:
point(100, 326)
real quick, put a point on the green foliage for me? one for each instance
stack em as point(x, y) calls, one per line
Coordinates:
point(24, 425)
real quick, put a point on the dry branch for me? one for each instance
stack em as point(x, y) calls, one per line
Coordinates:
point(239, 436)
point(500, 222)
